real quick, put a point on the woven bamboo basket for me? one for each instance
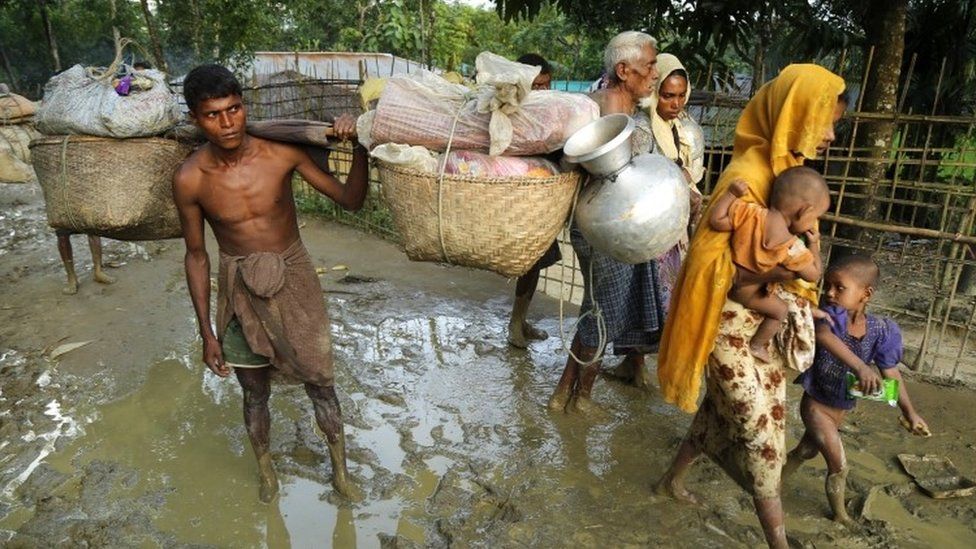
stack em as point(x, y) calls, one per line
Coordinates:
point(117, 188)
point(500, 224)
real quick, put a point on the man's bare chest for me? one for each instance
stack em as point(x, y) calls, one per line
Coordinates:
point(235, 200)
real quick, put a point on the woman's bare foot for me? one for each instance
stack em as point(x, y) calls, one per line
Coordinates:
point(516, 335)
point(674, 488)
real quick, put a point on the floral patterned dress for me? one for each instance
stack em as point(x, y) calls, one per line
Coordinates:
point(741, 423)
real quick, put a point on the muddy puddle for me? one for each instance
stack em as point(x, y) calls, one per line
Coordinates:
point(128, 441)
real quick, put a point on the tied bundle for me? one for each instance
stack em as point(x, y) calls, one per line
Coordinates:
point(504, 86)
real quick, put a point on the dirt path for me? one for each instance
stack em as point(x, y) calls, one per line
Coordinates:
point(127, 441)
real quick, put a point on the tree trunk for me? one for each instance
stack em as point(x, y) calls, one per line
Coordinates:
point(197, 39)
point(153, 37)
point(884, 29)
point(9, 68)
point(114, 14)
point(884, 26)
point(52, 44)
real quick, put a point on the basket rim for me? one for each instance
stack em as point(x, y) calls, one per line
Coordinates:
point(59, 139)
point(561, 177)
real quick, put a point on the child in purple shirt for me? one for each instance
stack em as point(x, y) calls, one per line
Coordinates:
point(848, 339)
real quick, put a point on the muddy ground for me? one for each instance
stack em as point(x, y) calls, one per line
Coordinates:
point(128, 441)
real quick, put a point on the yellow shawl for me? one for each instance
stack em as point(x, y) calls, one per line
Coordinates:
point(783, 124)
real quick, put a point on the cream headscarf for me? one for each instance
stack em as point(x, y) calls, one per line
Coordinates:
point(782, 124)
point(667, 64)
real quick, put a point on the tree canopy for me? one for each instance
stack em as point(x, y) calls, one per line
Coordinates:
point(758, 37)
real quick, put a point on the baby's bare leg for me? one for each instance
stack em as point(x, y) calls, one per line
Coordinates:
point(773, 308)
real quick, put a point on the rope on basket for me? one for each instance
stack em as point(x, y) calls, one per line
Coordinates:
point(64, 182)
point(440, 181)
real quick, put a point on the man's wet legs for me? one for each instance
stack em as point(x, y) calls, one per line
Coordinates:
point(256, 385)
point(519, 330)
point(328, 417)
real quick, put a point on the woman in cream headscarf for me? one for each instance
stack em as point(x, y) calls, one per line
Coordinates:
point(676, 133)
point(741, 422)
point(678, 137)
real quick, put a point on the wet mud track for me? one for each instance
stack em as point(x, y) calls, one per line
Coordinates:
point(128, 441)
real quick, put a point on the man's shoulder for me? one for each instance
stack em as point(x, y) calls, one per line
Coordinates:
point(276, 148)
point(187, 174)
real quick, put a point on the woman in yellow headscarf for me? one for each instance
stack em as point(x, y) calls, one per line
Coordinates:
point(742, 419)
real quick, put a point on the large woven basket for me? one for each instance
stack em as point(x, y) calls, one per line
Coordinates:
point(500, 224)
point(117, 188)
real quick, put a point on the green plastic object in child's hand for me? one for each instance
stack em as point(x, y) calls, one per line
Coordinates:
point(888, 392)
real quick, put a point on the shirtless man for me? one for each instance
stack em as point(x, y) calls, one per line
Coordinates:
point(270, 311)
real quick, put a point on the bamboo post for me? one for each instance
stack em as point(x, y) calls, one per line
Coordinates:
point(850, 146)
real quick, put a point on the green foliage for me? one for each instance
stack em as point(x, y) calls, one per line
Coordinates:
point(446, 34)
point(83, 31)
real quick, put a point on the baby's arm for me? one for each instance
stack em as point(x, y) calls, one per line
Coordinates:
point(912, 421)
point(812, 272)
point(719, 220)
point(866, 376)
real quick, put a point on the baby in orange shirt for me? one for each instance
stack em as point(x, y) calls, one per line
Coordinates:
point(764, 239)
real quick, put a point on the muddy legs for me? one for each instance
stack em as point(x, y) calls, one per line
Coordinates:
point(673, 482)
point(822, 435)
point(256, 386)
point(328, 418)
point(67, 259)
point(836, 486)
point(520, 332)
